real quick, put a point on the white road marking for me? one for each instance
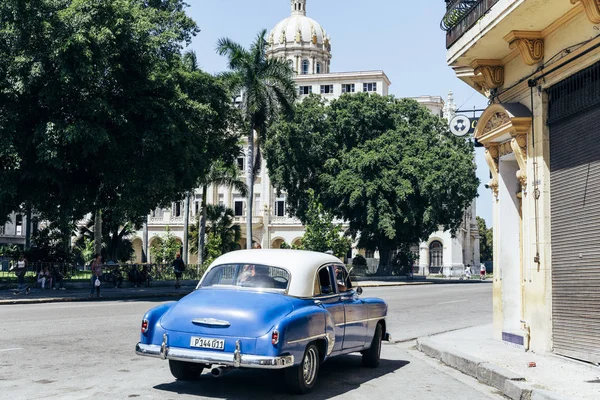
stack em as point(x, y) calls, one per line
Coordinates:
point(450, 302)
point(16, 348)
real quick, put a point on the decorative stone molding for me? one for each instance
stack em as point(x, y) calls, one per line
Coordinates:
point(529, 43)
point(497, 120)
point(504, 149)
point(592, 9)
point(492, 72)
point(492, 158)
point(519, 148)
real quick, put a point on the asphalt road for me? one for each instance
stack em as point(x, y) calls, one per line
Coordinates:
point(86, 350)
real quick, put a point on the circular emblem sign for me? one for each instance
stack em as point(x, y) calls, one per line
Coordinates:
point(460, 125)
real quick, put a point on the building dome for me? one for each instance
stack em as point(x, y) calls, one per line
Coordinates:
point(299, 38)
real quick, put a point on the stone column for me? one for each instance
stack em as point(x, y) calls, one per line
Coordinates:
point(145, 242)
point(423, 259)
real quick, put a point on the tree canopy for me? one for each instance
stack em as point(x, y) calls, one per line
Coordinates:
point(97, 110)
point(387, 166)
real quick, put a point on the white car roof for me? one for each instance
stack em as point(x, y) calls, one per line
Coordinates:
point(301, 264)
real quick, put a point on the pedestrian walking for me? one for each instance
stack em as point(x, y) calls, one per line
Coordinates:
point(96, 275)
point(20, 272)
point(482, 271)
point(178, 268)
point(468, 272)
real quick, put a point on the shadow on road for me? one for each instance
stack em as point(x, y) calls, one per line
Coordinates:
point(337, 376)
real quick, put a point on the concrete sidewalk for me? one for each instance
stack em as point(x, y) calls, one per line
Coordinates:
point(80, 291)
point(474, 352)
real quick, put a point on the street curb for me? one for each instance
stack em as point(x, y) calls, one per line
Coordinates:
point(94, 299)
point(512, 385)
point(386, 284)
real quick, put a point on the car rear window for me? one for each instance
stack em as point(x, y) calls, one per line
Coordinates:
point(247, 275)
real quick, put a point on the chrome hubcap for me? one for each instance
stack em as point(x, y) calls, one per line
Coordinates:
point(310, 365)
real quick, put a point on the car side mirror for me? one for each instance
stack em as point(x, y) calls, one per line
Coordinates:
point(359, 290)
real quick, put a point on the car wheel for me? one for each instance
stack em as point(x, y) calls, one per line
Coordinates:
point(185, 371)
point(371, 356)
point(301, 378)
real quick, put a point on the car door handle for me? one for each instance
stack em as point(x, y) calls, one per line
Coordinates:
point(346, 298)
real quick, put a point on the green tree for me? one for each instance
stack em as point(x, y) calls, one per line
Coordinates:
point(213, 248)
point(267, 87)
point(387, 166)
point(486, 240)
point(164, 249)
point(321, 233)
point(220, 222)
point(98, 112)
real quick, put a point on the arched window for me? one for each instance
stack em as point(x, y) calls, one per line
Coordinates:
point(436, 255)
point(318, 68)
point(305, 67)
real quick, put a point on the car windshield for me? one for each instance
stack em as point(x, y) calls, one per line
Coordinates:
point(247, 275)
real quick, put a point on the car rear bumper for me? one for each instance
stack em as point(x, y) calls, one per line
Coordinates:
point(236, 359)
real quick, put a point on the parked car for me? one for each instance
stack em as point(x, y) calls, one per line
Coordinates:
point(270, 309)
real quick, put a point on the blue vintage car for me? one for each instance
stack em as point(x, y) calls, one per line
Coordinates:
point(270, 309)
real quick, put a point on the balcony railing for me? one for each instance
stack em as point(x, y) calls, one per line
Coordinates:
point(461, 15)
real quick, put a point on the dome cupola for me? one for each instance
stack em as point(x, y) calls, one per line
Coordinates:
point(302, 41)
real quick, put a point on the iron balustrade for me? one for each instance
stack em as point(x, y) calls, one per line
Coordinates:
point(461, 15)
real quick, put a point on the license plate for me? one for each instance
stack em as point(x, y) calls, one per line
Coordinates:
point(207, 343)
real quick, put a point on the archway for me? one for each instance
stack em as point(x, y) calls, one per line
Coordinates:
point(137, 245)
point(277, 242)
point(297, 242)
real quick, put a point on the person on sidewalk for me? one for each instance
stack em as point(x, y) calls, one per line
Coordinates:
point(482, 271)
point(57, 279)
point(96, 275)
point(20, 271)
point(178, 268)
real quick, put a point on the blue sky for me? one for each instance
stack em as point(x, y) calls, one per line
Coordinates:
point(402, 38)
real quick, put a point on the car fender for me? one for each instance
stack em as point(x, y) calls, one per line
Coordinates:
point(377, 311)
point(155, 331)
point(303, 326)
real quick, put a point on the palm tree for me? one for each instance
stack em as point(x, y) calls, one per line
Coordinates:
point(267, 87)
point(220, 222)
point(219, 175)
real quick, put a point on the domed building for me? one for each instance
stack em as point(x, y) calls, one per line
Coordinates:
point(302, 41)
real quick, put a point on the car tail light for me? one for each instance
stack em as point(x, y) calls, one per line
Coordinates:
point(275, 337)
point(144, 326)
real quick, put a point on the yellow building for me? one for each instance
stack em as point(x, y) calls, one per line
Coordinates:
point(538, 61)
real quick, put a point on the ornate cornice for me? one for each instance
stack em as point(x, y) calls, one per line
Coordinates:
point(492, 155)
point(492, 72)
point(529, 43)
point(592, 9)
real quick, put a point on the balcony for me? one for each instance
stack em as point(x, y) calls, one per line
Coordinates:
point(241, 220)
point(461, 15)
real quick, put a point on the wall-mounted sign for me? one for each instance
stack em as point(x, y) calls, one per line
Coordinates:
point(462, 125)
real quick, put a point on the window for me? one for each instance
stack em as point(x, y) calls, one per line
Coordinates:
point(370, 87)
point(326, 89)
point(247, 275)
point(221, 199)
point(241, 163)
point(196, 207)
point(436, 255)
point(348, 88)
point(318, 68)
point(369, 253)
point(280, 208)
point(19, 225)
point(305, 67)
point(238, 208)
point(304, 90)
point(324, 279)
point(177, 209)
